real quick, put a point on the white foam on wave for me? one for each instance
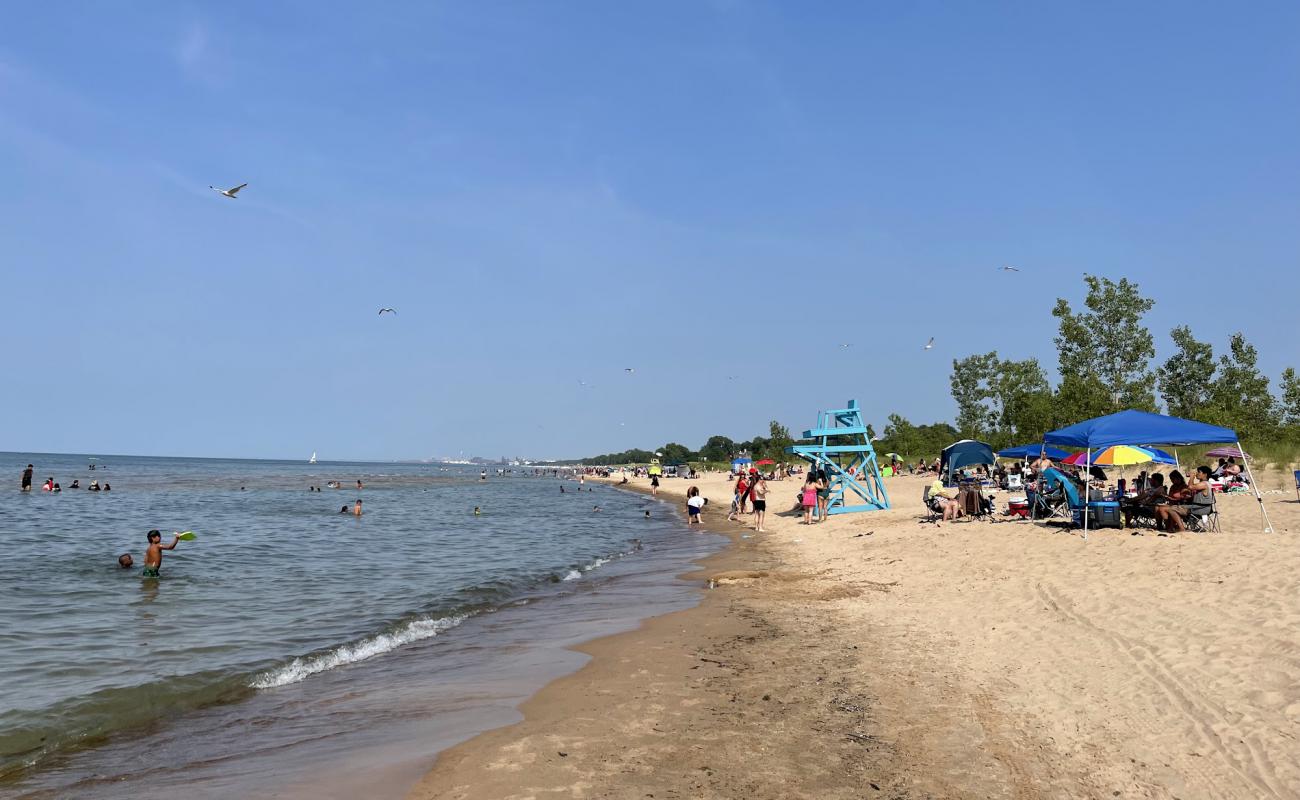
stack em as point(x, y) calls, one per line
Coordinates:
point(572, 576)
point(301, 668)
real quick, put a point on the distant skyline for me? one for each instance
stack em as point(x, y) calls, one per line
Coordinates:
point(548, 194)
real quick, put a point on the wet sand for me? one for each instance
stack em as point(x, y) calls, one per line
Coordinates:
point(878, 656)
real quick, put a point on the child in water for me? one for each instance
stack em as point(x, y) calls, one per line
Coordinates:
point(153, 553)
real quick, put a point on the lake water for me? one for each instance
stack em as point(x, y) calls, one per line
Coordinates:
point(291, 650)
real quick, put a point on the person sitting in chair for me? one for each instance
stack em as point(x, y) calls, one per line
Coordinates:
point(1147, 500)
point(1174, 515)
point(943, 499)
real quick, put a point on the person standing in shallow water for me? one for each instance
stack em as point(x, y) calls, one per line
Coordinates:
point(356, 509)
point(27, 478)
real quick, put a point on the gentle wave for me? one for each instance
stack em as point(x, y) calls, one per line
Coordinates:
point(301, 668)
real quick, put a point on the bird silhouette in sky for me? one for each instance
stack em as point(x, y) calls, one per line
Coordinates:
point(930, 344)
point(383, 311)
point(1010, 269)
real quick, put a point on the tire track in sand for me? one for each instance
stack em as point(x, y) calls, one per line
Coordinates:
point(1191, 704)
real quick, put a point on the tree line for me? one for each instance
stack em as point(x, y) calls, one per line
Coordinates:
point(717, 448)
point(1104, 359)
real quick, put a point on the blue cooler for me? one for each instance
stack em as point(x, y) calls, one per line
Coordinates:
point(1104, 514)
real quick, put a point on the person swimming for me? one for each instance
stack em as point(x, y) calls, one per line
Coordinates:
point(476, 511)
point(345, 510)
point(125, 561)
point(356, 510)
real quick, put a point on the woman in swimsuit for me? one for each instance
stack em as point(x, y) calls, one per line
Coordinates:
point(809, 499)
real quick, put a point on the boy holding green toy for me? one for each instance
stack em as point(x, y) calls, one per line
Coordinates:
point(153, 553)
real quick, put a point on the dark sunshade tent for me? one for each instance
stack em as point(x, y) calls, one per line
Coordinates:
point(965, 453)
point(1032, 451)
point(1144, 428)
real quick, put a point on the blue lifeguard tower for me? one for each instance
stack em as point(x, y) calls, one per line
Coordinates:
point(840, 444)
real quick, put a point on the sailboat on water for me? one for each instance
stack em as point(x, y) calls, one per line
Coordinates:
point(312, 460)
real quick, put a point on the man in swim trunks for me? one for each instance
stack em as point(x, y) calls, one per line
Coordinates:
point(153, 553)
point(356, 510)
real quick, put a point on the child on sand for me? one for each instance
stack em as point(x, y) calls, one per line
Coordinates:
point(153, 553)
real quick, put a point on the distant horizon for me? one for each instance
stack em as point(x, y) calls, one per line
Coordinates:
point(264, 458)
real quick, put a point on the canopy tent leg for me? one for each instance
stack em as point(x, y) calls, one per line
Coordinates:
point(1268, 526)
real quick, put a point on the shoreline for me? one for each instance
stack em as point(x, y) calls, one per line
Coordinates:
point(874, 655)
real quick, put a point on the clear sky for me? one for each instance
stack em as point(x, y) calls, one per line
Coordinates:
point(714, 193)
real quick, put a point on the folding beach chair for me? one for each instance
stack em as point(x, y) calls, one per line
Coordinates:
point(1047, 506)
point(1203, 513)
point(934, 513)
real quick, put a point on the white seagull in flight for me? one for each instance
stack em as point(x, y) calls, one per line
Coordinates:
point(228, 192)
point(1009, 269)
point(382, 311)
point(930, 344)
point(629, 369)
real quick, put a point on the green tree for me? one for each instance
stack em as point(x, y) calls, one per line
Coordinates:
point(1023, 399)
point(1187, 377)
point(1104, 353)
point(1291, 400)
point(1239, 396)
point(972, 388)
point(674, 453)
point(779, 439)
point(900, 437)
point(718, 448)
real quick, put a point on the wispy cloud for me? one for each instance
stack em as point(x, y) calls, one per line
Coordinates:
point(197, 53)
point(192, 46)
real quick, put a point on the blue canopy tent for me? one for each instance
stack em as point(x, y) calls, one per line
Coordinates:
point(740, 464)
point(1032, 451)
point(966, 453)
point(1143, 428)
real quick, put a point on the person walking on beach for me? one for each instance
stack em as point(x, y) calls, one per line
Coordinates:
point(153, 553)
point(809, 497)
point(654, 485)
point(27, 478)
point(759, 493)
point(694, 505)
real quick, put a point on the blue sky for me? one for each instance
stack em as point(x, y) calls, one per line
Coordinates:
point(551, 192)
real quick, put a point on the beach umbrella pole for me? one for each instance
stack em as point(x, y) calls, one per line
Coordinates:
point(1087, 490)
point(1268, 526)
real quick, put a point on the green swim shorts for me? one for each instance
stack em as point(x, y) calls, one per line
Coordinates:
point(150, 572)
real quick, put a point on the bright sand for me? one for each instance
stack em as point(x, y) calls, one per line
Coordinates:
point(876, 656)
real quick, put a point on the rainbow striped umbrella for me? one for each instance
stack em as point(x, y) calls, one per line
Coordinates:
point(1121, 455)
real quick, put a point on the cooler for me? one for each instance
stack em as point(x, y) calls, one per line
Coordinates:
point(1018, 507)
point(1101, 514)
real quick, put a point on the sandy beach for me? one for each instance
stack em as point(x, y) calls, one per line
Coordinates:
point(874, 655)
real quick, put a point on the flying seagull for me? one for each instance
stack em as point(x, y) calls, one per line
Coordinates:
point(389, 310)
point(930, 344)
point(846, 346)
point(229, 192)
point(1010, 269)
point(629, 369)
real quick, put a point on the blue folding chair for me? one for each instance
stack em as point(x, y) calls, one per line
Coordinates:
point(1297, 486)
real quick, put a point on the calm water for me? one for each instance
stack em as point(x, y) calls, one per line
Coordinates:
point(288, 638)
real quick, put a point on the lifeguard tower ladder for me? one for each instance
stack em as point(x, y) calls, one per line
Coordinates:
point(851, 452)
